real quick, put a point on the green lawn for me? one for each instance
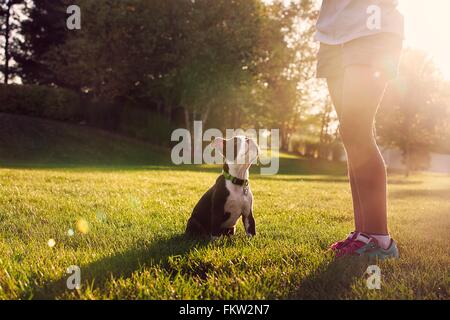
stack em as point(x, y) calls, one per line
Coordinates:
point(134, 248)
point(55, 175)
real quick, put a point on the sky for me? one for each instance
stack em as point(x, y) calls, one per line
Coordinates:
point(427, 24)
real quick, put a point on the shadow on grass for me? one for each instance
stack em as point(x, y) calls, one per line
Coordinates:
point(404, 182)
point(324, 179)
point(333, 179)
point(123, 264)
point(287, 166)
point(332, 280)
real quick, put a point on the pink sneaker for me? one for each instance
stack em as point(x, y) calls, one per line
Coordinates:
point(353, 248)
point(343, 243)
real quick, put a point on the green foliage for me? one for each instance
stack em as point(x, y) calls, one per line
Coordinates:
point(60, 104)
point(221, 61)
point(240, 63)
point(41, 101)
point(142, 124)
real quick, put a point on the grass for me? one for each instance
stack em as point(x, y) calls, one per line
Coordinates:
point(136, 216)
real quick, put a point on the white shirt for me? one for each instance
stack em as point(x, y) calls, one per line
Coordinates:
point(341, 21)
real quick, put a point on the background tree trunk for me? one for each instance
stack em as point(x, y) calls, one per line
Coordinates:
point(6, 50)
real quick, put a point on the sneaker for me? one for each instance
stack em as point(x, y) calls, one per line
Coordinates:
point(365, 245)
point(341, 244)
point(358, 242)
point(373, 250)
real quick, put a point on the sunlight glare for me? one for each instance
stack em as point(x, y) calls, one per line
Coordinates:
point(427, 25)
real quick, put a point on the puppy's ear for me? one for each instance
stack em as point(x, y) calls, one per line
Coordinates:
point(219, 144)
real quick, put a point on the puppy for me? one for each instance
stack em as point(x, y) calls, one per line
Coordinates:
point(219, 209)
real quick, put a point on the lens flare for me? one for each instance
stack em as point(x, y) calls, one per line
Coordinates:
point(100, 216)
point(83, 226)
point(51, 243)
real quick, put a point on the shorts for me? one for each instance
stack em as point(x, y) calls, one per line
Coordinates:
point(381, 51)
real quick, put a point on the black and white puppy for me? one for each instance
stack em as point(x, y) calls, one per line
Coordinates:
point(219, 209)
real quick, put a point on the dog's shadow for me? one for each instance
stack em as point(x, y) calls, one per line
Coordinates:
point(329, 281)
point(122, 265)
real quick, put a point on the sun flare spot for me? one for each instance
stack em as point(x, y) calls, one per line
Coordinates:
point(51, 243)
point(83, 226)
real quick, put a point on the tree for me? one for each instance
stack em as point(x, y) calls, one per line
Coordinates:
point(10, 24)
point(328, 134)
point(415, 111)
point(219, 39)
point(288, 65)
point(201, 55)
point(240, 63)
point(43, 29)
point(125, 50)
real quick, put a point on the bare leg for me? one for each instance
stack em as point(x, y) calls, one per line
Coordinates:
point(361, 96)
point(335, 87)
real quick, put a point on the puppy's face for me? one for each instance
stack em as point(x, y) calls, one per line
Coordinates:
point(237, 151)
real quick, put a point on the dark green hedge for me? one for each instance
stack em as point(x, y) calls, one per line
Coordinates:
point(41, 101)
point(65, 105)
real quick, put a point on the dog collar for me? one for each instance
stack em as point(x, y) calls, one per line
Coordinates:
point(234, 180)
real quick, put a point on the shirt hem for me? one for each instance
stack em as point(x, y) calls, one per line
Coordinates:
point(326, 40)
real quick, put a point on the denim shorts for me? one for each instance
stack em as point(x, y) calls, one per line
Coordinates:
point(380, 51)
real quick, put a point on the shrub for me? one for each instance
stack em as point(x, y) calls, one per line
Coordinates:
point(144, 124)
point(65, 105)
point(41, 101)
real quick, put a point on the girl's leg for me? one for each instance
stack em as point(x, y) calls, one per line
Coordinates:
point(362, 92)
point(335, 86)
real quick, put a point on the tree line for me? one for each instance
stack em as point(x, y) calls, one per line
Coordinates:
point(229, 63)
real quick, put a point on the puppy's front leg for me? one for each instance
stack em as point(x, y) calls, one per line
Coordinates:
point(249, 224)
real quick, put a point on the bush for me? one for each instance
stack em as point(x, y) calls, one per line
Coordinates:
point(144, 124)
point(41, 101)
point(65, 105)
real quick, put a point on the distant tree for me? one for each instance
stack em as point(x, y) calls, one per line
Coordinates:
point(125, 49)
point(288, 65)
point(227, 63)
point(210, 57)
point(222, 39)
point(9, 27)
point(328, 135)
point(443, 143)
point(414, 114)
point(43, 29)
